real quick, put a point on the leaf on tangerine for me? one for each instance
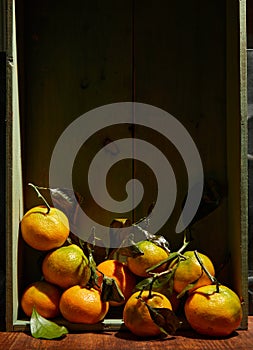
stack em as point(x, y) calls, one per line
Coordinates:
point(43, 328)
point(159, 240)
point(170, 257)
point(130, 251)
point(65, 198)
point(144, 284)
point(165, 319)
point(69, 202)
point(92, 265)
point(187, 288)
point(165, 280)
point(129, 248)
point(111, 290)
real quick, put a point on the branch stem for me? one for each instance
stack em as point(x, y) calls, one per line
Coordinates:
point(185, 244)
point(40, 196)
point(212, 278)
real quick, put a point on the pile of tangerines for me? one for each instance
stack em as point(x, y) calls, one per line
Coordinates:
point(151, 285)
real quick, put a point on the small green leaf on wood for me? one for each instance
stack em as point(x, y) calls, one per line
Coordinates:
point(111, 291)
point(165, 319)
point(43, 328)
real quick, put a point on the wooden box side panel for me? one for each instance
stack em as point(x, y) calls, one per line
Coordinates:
point(14, 189)
point(237, 146)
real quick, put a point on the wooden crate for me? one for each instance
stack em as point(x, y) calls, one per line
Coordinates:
point(187, 58)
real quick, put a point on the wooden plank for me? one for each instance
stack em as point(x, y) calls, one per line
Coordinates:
point(9, 183)
point(126, 340)
point(14, 193)
point(3, 26)
point(237, 144)
point(249, 16)
point(2, 184)
point(78, 58)
point(75, 58)
point(3, 103)
point(180, 67)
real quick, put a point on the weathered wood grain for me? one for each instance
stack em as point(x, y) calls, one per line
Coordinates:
point(125, 340)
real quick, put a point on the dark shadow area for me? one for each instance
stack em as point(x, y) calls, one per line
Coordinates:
point(194, 335)
point(127, 335)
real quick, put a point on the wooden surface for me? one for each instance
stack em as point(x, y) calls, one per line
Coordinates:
point(125, 340)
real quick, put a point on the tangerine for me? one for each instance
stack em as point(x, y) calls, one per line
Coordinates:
point(152, 255)
point(190, 271)
point(66, 266)
point(82, 305)
point(212, 312)
point(125, 279)
point(44, 296)
point(43, 230)
point(136, 315)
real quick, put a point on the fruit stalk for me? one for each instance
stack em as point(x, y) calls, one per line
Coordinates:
point(212, 278)
point(40, 196)
point(172, 255)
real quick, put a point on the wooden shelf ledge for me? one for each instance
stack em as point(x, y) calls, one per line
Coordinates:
point(241, 339)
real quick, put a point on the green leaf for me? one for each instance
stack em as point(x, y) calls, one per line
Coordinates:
point(160, 282)
point(165, 319)
point(170, 257)
point(92, 265)
point(43, 328)
point(93, 277)
point(187, 288)
point(129, 248)
point(159, 240)
point(111, 291)
point(163, 280)
point(144, 284)
point(164, 283)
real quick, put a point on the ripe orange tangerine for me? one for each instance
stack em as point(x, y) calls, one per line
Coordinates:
point(213, 313)
point(189, 270)
point(44, 296)
point(66, 266)
point(82, 305)
point(42, 230)
point(125, 279)
point(136, 315)
point(153, 254)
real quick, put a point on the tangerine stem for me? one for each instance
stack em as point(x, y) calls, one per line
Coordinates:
point(185, 243)
point(139, 295)
point(151, 286)
point(178, 253)
point(212, 278)
point(40, 196)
